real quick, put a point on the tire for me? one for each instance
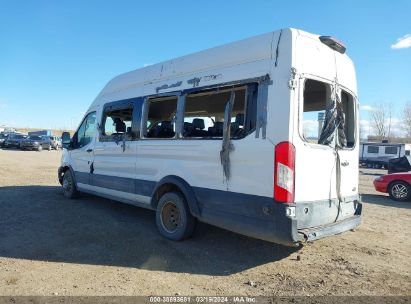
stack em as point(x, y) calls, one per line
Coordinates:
point(69, 187)
point(377, 166)
point(173, 218)
point(40, 148)
point(49, 147)
point(399, 191)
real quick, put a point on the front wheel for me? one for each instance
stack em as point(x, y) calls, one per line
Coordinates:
point(69, 188)
point(173, 218)
point(399, 191)
point(40, 147)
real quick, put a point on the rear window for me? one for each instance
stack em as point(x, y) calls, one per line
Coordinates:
point(317, 99)
point(316, 95)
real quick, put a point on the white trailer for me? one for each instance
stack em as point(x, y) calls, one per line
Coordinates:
point(377, 155)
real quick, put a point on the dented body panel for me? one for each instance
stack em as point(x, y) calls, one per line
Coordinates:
point(131, 171)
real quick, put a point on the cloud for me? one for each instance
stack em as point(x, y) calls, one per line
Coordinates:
point(402, 43)
point(367, 108)
point(147, 64)
point(310, 128)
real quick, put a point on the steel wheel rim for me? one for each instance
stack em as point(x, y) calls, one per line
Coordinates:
point(67, 184)
point(170, 217)
point(399, 191)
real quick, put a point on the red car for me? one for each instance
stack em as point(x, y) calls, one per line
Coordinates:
point(397, 185)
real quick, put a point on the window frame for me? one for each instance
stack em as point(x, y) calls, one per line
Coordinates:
point(75, 136)
point(146, 108)
point(135, 104)
point(392, 147)
point(247, 119)
point(181, 95)
point(368, 148)
point(302, 81)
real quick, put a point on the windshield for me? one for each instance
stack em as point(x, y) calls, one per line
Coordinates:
point(18, 136)
point(35, 137)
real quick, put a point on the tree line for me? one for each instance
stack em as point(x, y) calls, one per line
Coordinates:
point(382, 122)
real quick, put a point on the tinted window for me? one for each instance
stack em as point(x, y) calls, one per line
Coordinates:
point(391, 150)
point(35, 137)
point(372, 149)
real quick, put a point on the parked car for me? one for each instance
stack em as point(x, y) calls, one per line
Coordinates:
point(3, 138)
point(397, 185)
point(55, 142)
point(35, 142)
point(14, 140)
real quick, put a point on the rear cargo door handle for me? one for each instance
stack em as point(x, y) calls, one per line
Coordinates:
point(89, 150)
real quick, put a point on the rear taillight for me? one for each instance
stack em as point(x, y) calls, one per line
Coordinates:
point(284, 172)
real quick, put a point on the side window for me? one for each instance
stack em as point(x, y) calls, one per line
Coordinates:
point(116, 123)
point(86, 131)
point(204, 113)
point(161, 117)
point(372, 149)
point(391, 150)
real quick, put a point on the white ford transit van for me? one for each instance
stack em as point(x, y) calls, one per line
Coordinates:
point(258, 136)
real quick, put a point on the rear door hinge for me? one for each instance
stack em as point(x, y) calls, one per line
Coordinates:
point(292, 81)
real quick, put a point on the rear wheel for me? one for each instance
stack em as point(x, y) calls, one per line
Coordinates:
point(69, 188)
point(173, 218)
point(399, 191)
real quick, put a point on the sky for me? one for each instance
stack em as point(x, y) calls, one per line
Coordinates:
point(56, 56)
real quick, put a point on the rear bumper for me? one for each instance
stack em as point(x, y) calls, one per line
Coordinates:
point(286, 224)
point(319, 232)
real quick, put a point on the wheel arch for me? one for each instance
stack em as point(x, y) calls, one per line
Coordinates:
point(63, 169)
point(175, 183)
point(397, 180)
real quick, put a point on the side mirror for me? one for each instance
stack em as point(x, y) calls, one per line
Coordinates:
point(65, 140)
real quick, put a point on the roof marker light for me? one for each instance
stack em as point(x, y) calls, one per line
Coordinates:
point(333, 43)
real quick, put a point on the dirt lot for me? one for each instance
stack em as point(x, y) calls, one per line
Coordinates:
point(50, 245)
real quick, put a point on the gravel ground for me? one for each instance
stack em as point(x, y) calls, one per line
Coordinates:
point(50, 245)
